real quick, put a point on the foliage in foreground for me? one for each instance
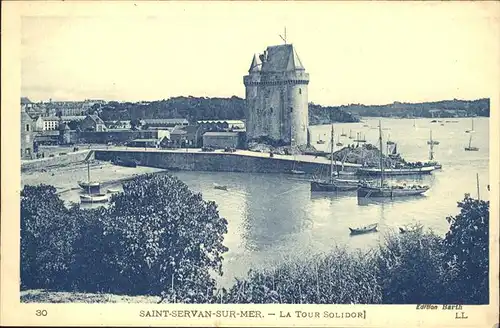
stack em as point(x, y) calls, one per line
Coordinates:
point(170, 243)
point(167, 244)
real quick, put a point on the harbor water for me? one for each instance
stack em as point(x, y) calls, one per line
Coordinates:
point(275, 217)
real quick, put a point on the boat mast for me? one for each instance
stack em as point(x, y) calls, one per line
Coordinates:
point(470, 140)
point(331, 155)
point(88, 175)
point(477, 182)
point(431, 152)
point(381, 159)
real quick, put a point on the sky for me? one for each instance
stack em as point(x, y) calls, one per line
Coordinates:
point(355, 52)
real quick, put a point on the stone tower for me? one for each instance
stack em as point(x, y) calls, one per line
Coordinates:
point(276, 97)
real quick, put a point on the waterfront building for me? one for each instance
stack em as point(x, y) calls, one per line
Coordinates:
point(27, 140)
point(277, 97)
point(221, 139)
point(93, 123)
point(164, 122)
point(48, 123)
point(222, 125)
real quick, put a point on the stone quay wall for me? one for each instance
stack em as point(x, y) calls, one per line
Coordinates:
point(206, 161)
point(57, 160)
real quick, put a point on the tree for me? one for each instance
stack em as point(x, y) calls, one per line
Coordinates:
point(467, 251)
point(47, 235)
point(73, 125)
point(410, 268)
point(165, 240)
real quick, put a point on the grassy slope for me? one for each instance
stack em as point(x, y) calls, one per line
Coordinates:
point(44, 296)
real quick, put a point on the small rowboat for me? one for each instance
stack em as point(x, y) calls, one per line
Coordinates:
point(96, 198)
point(220, 187)
point(362, 230)
point(297, 172)
point(113, 190)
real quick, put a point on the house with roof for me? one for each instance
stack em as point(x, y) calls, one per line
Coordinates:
point(221, 125)
point(221, 139)
point(93, 123)
point(164, 122)
point(47, 123)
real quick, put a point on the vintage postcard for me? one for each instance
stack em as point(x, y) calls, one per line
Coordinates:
point(235, 164)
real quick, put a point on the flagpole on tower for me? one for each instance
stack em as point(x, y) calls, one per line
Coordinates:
point(283, 37)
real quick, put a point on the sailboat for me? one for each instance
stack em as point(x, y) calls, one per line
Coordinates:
point(89, 185)
point(339, 144)
point(384, 190)
point(333, 184)
point(320, 141)
point(343, 134)
point(472, 127)
point(431, 155)
point(432, 141)
point(360, 138)
point(392, 150)
point(93, 192)
point(470, 147)
point(389, 142)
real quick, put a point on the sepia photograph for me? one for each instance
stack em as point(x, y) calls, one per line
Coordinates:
point(195, 160)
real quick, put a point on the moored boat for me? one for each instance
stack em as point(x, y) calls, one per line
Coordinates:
point(396, 171)
point(367, 229)
point(220, 187)
point(297, 172)
point(124, 162)
point(88, 184)
point(470, 147)
point(95, 198)
point(406, 230)
point(384, 190)
point(113, 190)
point(391, 191)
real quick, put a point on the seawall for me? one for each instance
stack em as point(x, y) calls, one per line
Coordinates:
point(58, 160)
point(218, 161)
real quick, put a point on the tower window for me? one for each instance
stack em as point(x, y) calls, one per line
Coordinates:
point(27, 127)
point(271, 110)
point(291, 109)
point(300, 91)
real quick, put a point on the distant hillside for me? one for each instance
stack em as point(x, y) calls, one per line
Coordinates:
point(199, 108)
point(444, 108)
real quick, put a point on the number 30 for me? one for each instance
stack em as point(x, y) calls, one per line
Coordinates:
point(41, 313)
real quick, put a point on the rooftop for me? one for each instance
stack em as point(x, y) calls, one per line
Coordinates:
point(280, 58)
point(221, 134)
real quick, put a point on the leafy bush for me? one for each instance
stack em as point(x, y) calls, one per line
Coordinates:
point(165, 240)
point(156, 238)
point(339, 277)
point(47, 233)
point(467, 253)
point(409, 268)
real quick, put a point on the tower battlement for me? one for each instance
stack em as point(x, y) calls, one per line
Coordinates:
point(277, 96)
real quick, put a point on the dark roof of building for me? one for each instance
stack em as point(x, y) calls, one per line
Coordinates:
point(281, 58)
point(96, 119)
point(165, 121)
point(221, 134)
point(178, 131)
point(145, 140)
point(25, 100)
point(256, 64)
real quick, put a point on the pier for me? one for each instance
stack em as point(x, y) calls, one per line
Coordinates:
point(239, 161)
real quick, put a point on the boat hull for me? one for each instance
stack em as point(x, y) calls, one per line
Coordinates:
point(360, 231)
point(125, 163)
point(332, 186)
point(85, 185)
point(471, 149)
point(101, 198)
point(388, 172)
point(389, 192)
